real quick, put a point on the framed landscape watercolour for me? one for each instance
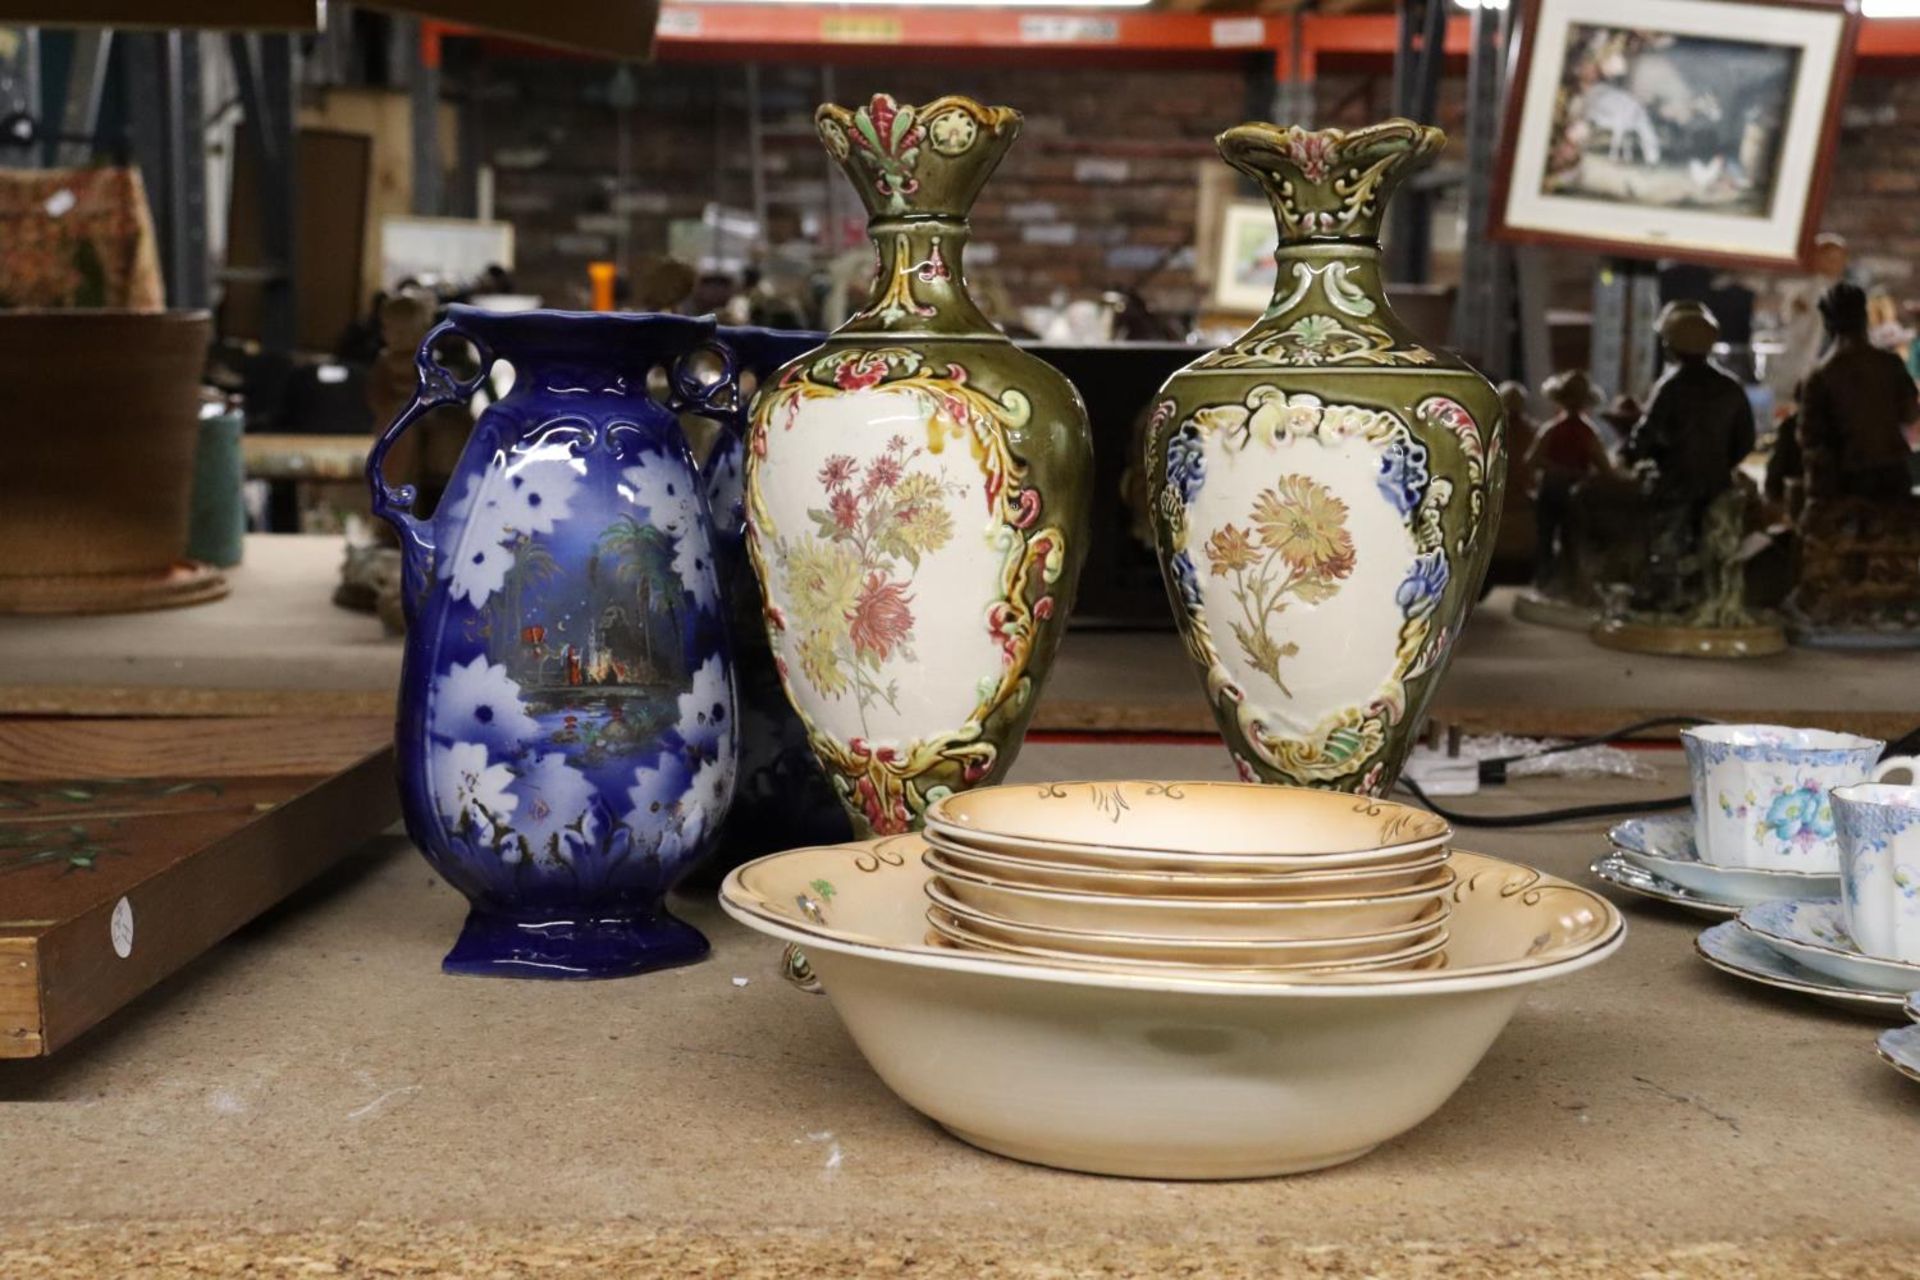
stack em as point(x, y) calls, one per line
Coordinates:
point(1243, 271)
point(1694, 129)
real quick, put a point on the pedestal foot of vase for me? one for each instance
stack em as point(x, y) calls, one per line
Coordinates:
point(494, 946)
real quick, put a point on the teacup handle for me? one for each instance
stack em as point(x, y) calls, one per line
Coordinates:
point(1894, 764)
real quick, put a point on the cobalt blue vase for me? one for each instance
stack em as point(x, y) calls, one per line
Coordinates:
point(566, 736)
point(782, 799)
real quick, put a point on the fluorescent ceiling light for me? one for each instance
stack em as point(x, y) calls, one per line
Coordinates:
point(1494, 4)
point(942, 4)
point(1890, 8)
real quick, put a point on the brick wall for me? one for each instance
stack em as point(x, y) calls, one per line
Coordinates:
point(1100, 188)
point(1875, 200)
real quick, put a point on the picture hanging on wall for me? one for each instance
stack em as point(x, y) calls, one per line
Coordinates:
point(1693, 129)
point(1243, 270)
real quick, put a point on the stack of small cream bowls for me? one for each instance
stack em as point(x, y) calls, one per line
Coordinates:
point(1233, 878)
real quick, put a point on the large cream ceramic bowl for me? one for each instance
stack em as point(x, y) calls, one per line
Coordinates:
point(1218, 918)
point(1267, 886)
point(1164, 1075)
point(1228, 827)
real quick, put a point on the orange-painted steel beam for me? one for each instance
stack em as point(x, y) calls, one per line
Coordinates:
point(738, 31)
point(750, 25)
point(1889, 38)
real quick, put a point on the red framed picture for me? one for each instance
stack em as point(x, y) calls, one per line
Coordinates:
point(1695, 129)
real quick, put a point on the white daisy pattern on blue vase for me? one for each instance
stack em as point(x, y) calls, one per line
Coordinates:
point(479, 702)
point(475, 795)
point(478, 569)
point(706, 709)
point(672, 505)
point(657, 796)
point(554, 819)
point(540, 492)
point(502, 505)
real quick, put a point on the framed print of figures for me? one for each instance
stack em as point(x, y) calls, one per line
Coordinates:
point(1695, 129)
point(1243, 268)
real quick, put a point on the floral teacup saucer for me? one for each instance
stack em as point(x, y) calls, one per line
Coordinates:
point(1814, 936)
point(1615, 870)
point(1901, 1048)
point(1663, 845)
point(1731, 949)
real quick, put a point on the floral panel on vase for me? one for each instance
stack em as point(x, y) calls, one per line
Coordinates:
point(918, 525)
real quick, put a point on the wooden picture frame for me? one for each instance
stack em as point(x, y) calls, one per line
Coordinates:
point(1641, 128)
point(1243, 266)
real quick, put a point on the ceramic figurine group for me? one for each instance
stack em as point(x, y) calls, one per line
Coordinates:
point(575, 705)
point(1652, 541)
point(1846, 470)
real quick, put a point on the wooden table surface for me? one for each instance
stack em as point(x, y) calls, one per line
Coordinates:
point(279, 646)
point(316, 1098)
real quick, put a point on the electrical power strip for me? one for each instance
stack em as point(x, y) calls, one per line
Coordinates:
point(1439, 774)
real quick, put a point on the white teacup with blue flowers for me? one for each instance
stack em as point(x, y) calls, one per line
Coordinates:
point(1879, 827)
point(1760, 792)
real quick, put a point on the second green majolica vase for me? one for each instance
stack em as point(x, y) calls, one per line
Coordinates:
point(917, 490)
point(1323, 488)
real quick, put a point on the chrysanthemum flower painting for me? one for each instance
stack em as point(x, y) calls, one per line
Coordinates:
point(850, 582)
point(1296, 548)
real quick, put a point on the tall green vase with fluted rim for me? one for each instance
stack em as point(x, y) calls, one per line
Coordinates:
point(1323, 488)
point(917, 490)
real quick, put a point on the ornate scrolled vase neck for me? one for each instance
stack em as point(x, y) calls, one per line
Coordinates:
point(1330, 184)
point(908, 161)
point(918, 171)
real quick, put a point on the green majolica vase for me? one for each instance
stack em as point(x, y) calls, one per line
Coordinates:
point(917, 490)
point(1323, 488)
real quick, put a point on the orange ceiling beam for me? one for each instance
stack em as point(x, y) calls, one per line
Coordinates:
point(1889, 38)
point(743, 32)
point(709, 29)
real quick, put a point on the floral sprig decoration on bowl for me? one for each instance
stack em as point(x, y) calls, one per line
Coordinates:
point(1297, 548)
point(849, 582)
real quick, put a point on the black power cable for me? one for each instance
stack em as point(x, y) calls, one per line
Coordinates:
point(1493, 772)
point(1576, 814)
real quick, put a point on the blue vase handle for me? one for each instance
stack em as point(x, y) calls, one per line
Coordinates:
point(719, 399)
point(436, 388)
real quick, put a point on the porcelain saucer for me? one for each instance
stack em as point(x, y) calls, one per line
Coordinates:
point(1733, 950)
point(1813, 934)
point(1663, 844)
point(1901, 1048)
point(1615, 870)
